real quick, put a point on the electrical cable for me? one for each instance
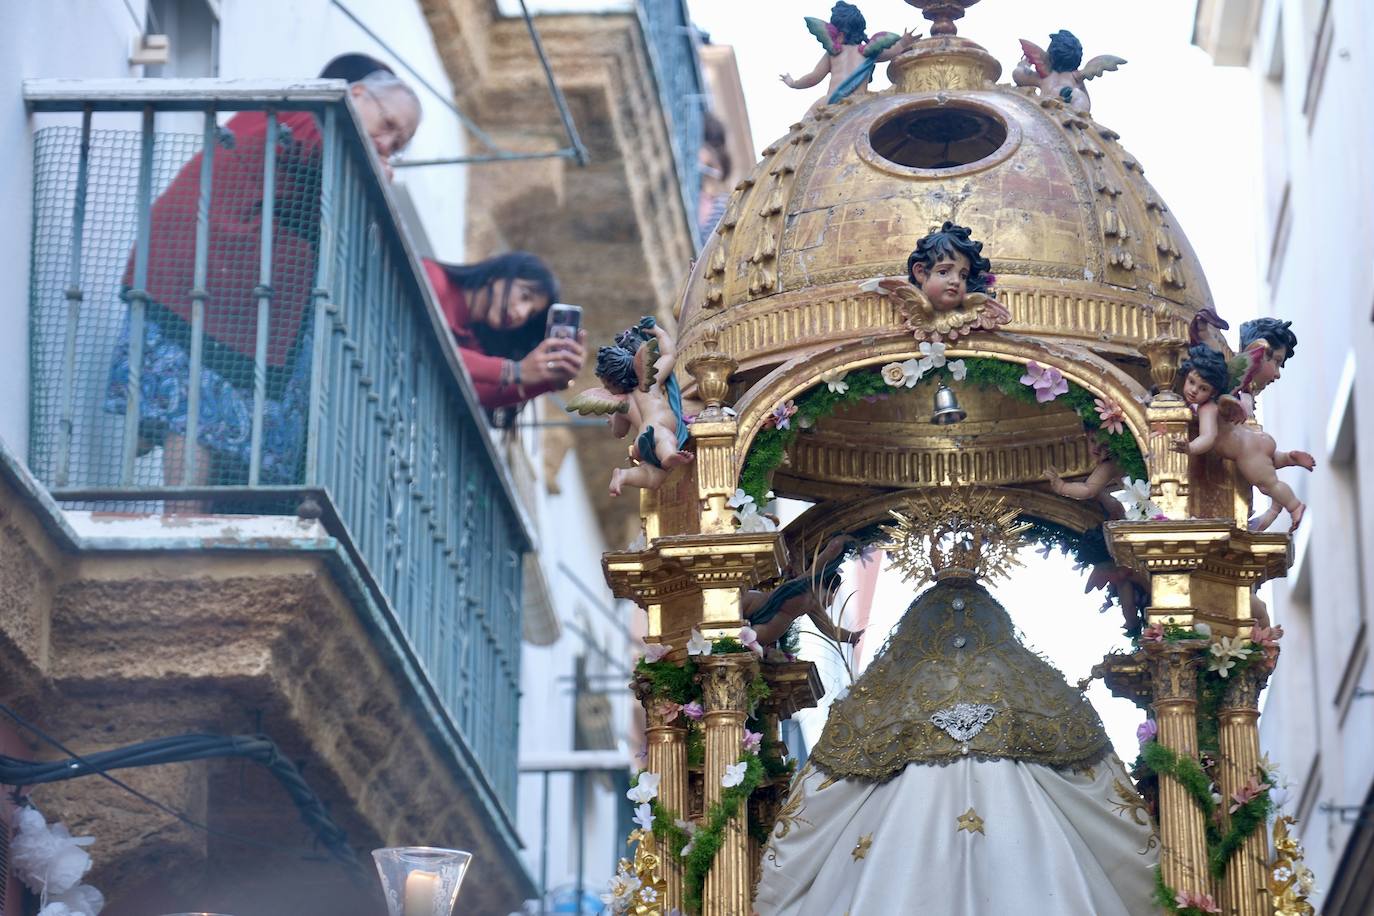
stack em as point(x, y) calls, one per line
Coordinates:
point(182, 749)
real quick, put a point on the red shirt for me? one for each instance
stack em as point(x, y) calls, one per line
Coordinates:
point(484, 369)
point(235, 240)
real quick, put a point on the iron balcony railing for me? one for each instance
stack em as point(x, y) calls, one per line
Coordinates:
point(672, 43)
point(284, 283)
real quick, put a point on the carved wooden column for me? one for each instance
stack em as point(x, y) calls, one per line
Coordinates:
point(668, 758)
point(1182, 827)
point(725, 687)
point(714, 434)
point(1244, 888)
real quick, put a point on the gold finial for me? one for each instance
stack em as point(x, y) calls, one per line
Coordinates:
point(942, 14)
point(957, 534)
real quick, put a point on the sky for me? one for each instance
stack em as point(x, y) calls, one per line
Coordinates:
point(1192, 125)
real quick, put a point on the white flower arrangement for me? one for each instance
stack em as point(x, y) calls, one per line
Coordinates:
point(51, 862)
point(646, 789)
point(1135, 499)
point(734, 775)
point(835, 381)
point(698, 644)
point(644, 816)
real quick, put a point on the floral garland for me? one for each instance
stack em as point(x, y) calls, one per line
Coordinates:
point(1252, 804)
point(1030, 384)
point(675, 690)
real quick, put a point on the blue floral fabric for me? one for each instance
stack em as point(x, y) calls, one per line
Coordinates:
point(226, 411)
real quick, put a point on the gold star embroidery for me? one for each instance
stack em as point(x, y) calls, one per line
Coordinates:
point(861, 848)
point(971, 822)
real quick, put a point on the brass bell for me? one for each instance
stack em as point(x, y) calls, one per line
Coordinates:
point(947, 409)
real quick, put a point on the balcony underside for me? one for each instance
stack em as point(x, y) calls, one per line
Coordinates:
point(113, 639)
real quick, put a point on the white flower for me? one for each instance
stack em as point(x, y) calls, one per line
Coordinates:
point(734, 775)
point(688, 847)
point(912, 370)
point(739, 499)
point(1202, 629)
point(751, 521)
point(1279, 795)
point(621, 891)
point(687, 827)
point(932, 356)
point(834, 381)
point(750, 640)
point(655, 651)
point(644, 816)
point(958, 369)
point(1135, 499)
point(82, 900)
point(48, 858)
point(1226, 651)
point(646, 789)
point(698, 644)
point(648, 895)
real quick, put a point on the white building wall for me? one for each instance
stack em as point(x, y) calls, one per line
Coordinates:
point(257, 38)
point(1317, 268)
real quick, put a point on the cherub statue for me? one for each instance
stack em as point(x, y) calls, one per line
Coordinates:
point(770, 614)
point(1056, 73)
point(1098, 486)
point(1266, 344)
point(1224, 432)
point(850, 55)
point(640, 395)
point(947, 291)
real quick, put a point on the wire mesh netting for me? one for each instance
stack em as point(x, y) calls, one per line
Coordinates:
point(253, 342)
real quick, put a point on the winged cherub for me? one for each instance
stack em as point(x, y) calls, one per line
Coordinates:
point(640, 396)
point(1056, 72)
point(947, 293)
point(1224, 431)
point(850, 55)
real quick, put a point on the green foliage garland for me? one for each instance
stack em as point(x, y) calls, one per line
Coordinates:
point(670, 681)
point(711, 834)
point(770, 444)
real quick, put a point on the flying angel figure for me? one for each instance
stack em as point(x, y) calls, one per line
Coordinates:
point(1056, 72)
point(850, 55)
point(640, 396)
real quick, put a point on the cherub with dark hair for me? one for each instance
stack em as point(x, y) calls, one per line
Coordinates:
point(850, 55)
point(1255, 453)
point(1055, 72)
point(640, 396)
point(947, 292)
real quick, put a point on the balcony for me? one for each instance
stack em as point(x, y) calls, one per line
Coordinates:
point(350, 418)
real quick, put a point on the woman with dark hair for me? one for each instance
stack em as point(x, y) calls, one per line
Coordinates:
point(388, 112)
point(496, 310)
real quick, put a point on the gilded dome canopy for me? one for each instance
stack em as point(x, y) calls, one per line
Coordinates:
point(1083, 248)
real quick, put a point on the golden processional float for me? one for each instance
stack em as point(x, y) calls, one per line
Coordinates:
point(813, 350)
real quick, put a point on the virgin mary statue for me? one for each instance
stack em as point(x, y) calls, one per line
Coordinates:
point(960, 775)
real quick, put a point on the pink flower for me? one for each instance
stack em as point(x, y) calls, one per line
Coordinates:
point(1146, 731)
point(1047, 381)
point(1111, 415)
point(1246, 793)
point(750, 640)
point(654, 651)
point(781, 417)
point(752, 741)
point(1153, 633)
point(667, 711)
point(693, 711)
point(1197, 901)
point(1266, 636)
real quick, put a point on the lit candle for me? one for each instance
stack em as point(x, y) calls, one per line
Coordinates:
point(422, 894)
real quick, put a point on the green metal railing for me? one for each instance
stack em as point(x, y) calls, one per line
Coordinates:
point(368, 416)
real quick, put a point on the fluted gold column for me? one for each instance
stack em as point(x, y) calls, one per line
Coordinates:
point(668, 758)
point(1244, 890)
point(1182, 833)
point(725, 682)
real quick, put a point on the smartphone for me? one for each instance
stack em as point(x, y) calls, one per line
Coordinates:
point(564, 320)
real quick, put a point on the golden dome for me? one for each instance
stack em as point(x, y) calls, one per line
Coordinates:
point(1084, 249)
